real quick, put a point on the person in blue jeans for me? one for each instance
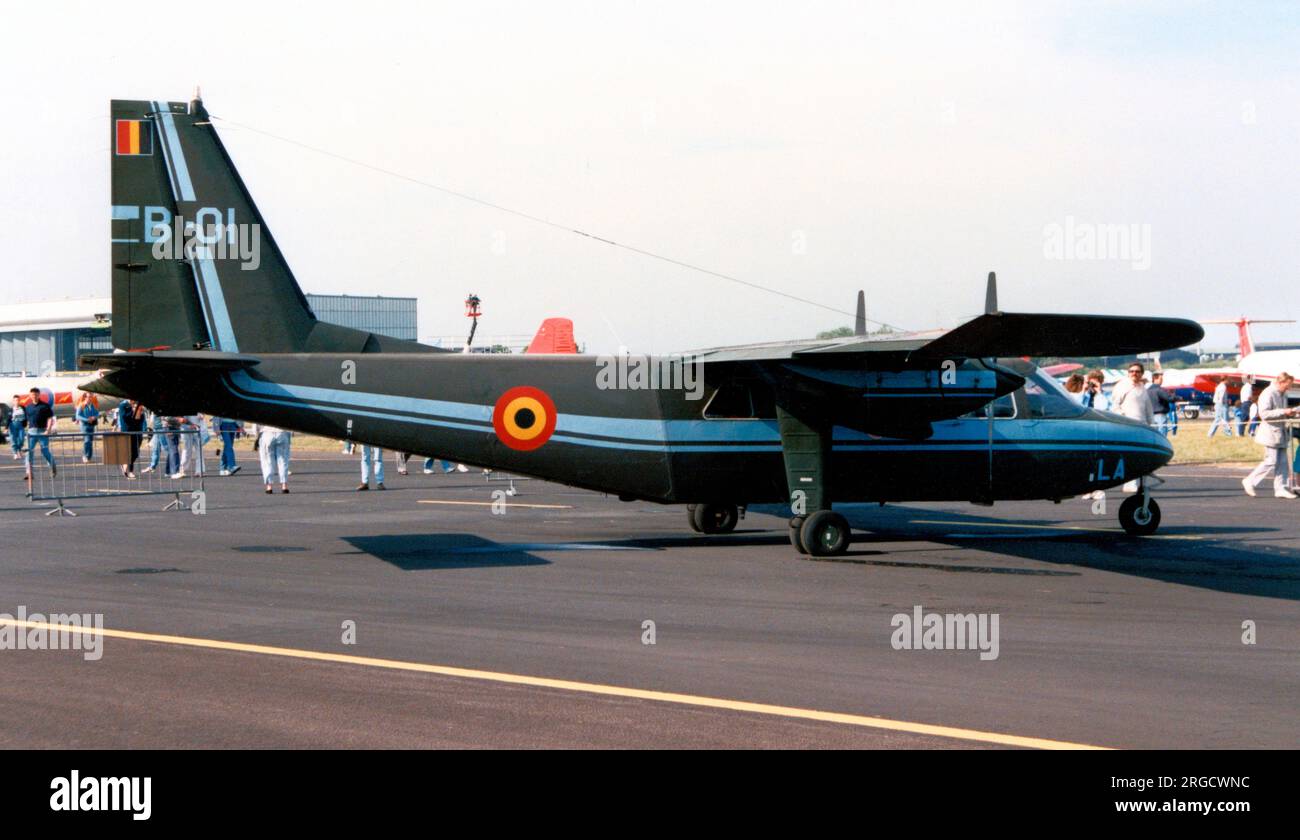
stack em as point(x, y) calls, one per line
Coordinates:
point(40, 422)
point(371, 457)
point(172, 443)
point(155, 441)
point(228, 429)
point(17, 426)
point(87, 418)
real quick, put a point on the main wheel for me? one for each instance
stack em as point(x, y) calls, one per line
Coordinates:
point(825, 534)
point(1137, 522)
point(796, 538)
point(715, 519)
point(690, 518)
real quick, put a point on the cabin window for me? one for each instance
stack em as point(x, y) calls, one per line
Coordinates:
point(1004, 408)
point(730, 402)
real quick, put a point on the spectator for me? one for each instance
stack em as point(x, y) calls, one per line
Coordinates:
point(193, 433)
point(17, 426)
point(1074, 384)
point(273, 448)
point(172, 444)
point(1274, 434)
point(130, 420)
point(1244, 405)
point(40, 425)
point(229, 429)
point(1164, 405)
point(1221, 409)
point(154, 422)
point(87, 417)
point(371, 456)
point(1093, 394)
point(1130, 397)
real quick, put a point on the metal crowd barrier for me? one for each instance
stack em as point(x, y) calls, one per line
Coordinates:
point(103, 477)
point(495, 477)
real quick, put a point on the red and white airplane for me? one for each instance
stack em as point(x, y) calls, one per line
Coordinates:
point(1262, 365)
point(60, 389)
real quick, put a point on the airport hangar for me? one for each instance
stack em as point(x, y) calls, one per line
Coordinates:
point(51, 335)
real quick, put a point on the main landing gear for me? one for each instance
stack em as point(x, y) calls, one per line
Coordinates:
point(815, 529)
point(822, 534)
point(1139, 515)
point(712, 518)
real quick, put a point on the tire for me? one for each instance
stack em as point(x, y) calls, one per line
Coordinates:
point(715, 519)
point(825, 534)
point(1132, 520)
point(690, 518)
point(796, 538)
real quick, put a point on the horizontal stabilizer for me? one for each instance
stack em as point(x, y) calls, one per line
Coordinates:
point(1028, 334)
point(208, 359)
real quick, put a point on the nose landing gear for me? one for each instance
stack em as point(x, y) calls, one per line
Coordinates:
point(1139, 515)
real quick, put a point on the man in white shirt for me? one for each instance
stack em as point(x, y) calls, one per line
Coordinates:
point(1129, 397)
point(1221, 409)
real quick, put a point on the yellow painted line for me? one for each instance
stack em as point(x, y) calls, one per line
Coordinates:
point(490, 504)
point(1051, 528)
point(581, 687)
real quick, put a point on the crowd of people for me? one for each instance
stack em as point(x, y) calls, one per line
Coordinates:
point(1264, 417)
point(1134, 397)
point(175, 442)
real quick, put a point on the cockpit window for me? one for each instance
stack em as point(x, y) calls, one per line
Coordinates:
point(1047, 398)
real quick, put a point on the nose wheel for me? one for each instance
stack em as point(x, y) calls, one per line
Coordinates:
point(1139, 516)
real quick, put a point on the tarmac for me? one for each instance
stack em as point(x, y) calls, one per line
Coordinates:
point(528, 625)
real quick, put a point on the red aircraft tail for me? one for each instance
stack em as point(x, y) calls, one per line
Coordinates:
point(554, 336)
point(1244, 340)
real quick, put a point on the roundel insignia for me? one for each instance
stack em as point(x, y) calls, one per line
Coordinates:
point(524, 418)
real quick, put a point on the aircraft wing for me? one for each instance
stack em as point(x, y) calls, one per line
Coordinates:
point(999, 334)
point(988, 336)
point(898, 384)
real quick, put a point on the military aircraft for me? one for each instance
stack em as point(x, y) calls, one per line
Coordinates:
point(863, 418)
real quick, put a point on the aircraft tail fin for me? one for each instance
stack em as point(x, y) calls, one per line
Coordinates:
point(555, 335)
point(194, 264)
point(1245, 342)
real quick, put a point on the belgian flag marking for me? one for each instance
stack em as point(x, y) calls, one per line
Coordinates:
point(134, 137)
point(524, 418)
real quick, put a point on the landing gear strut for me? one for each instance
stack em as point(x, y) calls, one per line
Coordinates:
point(815, 529)
point(1139, 515)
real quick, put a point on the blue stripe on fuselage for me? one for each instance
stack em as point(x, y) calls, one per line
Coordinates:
point(699, 435)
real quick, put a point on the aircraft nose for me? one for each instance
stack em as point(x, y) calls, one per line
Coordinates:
point(1144, 449)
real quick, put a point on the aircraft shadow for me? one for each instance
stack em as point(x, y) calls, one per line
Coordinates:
point(1219, 558)
point(422, 552)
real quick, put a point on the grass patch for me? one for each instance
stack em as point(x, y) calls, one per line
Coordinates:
point(1192, 446)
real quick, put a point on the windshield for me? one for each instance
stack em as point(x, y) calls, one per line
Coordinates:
point(1048, 398)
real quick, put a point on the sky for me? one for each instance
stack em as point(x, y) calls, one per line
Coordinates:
point(904, 149)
